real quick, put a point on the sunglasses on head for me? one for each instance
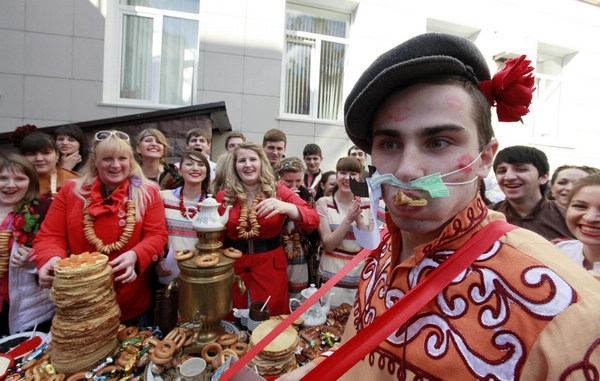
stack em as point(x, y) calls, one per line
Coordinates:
point(103, 135)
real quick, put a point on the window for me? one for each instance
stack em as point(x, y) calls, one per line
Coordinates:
point(314, 61)
point(155, 55)
point(547, 95)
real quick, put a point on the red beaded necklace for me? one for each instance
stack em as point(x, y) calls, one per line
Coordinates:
point(188, 212)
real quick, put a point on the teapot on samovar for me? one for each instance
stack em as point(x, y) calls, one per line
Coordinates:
point(207, 218)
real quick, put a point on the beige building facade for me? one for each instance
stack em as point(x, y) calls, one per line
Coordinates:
point(285, 65)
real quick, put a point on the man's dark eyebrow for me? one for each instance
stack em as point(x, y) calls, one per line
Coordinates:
point(431, 131)
point(425, 132)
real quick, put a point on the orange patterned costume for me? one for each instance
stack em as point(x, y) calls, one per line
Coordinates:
point(522, 310)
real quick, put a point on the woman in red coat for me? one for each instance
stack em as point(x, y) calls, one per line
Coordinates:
point(260, 208)
point(110, 178)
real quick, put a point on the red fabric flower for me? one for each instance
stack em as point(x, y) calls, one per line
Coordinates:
point(20, 237)
point(18, 222)
point(511, 89)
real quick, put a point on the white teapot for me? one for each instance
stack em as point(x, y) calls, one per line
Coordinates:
point(317, 313)
point(207, 218)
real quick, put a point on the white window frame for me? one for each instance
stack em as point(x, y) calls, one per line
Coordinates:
point(315, 60)
point(112, 54)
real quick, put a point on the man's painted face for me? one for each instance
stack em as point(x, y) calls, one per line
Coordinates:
point(422, 130)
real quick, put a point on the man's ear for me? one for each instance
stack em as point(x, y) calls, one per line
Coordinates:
point(544, 179)
point(487, 158)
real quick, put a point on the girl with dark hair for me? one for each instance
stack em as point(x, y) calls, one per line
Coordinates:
point(339, 213)
point(23, 303)
point(151, 152)
point(194, 170)
point(41, 151)
point(72, 144)
point(326, 185)
point(260, 208)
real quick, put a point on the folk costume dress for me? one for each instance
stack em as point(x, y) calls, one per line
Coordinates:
point(51, 184)
point(522, 310)
point(182, 235)
point(333, 261)
point(263, 267)
point(29, 304)
point(62, 233)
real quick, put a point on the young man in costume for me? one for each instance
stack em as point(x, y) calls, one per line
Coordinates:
point(422, 110)
point(522, 174)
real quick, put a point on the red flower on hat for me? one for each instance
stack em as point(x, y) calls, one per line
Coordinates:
point(511, 89)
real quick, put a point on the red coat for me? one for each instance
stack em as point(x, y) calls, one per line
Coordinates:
point(62, 230)
point(265, 274)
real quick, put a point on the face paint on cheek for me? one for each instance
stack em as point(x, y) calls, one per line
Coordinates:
point(454, 103)
point(464, 162)
point(398, 114)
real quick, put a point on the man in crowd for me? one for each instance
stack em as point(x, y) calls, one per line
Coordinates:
point(522, 174)
point(198, 139)
point(312, 158)
point(521, 310)
point(233, 140)
point(361, 155)
point(274, 144)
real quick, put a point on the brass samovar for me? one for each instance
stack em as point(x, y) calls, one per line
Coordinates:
point(205, 294)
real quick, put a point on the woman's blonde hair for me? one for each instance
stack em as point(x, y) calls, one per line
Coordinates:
point(223, 163)
point(138, 188)
point(290, 164)
point(234, 188)
point(160, 137)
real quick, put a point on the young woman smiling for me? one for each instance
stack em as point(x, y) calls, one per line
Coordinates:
point(260, 208)
point(41, 151)
point(583, 220)
point(23, 303)
point(151, 149)
point(182, 236)
point(339, 213)
point(73, 147)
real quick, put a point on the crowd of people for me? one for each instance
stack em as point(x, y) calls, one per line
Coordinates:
point(295, 223)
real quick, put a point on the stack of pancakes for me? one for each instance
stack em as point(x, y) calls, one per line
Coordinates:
point(84, 329)
point(278, 357)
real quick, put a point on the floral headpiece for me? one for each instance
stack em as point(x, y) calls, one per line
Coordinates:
point(511, 89)
point(19, 134)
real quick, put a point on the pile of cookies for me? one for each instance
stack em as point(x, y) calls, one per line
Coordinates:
point(278, 357)
point(316, 340)
point(84, 329)
point(338, 316)
point(5, 236)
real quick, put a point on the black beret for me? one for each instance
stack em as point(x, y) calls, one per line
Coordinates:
point(422, 56)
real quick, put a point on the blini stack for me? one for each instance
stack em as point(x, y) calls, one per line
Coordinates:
point(278, 357)
point(84, 329)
